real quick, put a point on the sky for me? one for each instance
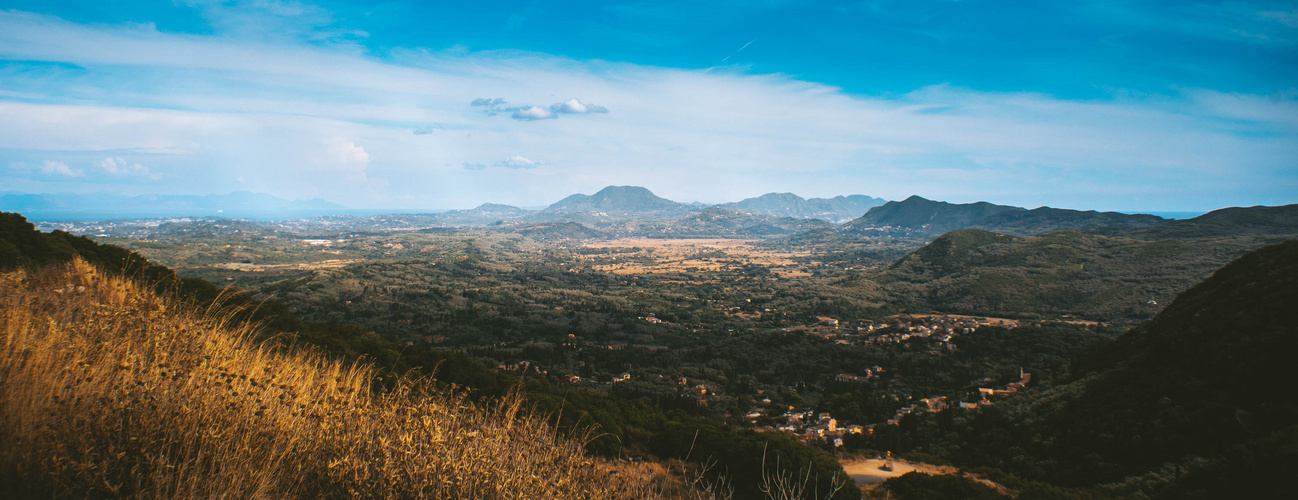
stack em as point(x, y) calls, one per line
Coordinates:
point(1108, 105)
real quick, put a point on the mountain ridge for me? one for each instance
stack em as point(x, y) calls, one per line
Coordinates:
point(920, 217)
point(838, 209)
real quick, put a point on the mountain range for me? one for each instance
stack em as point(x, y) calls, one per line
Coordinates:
point(838, 209)
point(636, 211)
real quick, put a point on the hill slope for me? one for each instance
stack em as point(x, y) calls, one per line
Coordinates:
point(114, 392)
point(1199, 399)
point(1096, 277)
point(717, 222)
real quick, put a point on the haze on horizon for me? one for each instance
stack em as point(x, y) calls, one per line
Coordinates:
point(1107, 105)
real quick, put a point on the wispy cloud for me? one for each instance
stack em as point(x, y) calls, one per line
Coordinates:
point(572, 106)
point(517, 162)
point(59, 168)
point(741, 49)
point(575, 106)
point(120, 167)
point(532, 113)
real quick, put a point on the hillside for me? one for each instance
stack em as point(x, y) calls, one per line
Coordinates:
point(717, 222)
point(1196, 403)
point(1095, 277)
point(838, 209)
point(919, 217)
point(113, 391)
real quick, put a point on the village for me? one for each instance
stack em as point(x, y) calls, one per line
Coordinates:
point(810, 427)
point(940, 330)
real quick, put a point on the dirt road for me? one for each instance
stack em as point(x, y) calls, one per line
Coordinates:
point(867, 471)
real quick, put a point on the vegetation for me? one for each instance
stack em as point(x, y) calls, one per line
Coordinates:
point(666, 349)
point(604, 424)
point(921, 486)
point(111, 391)
point(1197, 401)
point(1054, 275)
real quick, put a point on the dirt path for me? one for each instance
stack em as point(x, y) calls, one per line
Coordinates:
point(867, 471)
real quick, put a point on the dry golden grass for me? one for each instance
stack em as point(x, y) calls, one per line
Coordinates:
point(111, 391)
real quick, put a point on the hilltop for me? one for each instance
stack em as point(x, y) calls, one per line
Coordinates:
point(1226, 222)
point(617, 200)
point(919, 217)
point(484, 214)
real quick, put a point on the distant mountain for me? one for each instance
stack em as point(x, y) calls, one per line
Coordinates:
point(919, 217)
point(838, 209)
point(717, 222)
point(485, 214)
point(239, 204)
point(619, 201)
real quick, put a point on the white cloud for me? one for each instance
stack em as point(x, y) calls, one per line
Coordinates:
point(531, 113)
point(474, 166)
point(60, 168)
point(119, 166)
point(575, 105)
point(343, 157)
point(345, 151)
point(517, 162)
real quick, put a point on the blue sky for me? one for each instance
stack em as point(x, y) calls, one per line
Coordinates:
point(1096, 105)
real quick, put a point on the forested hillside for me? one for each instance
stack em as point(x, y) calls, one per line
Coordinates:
point(1054, 275)
point(1198, 401)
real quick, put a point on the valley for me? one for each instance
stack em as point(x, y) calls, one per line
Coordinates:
point(850, 341)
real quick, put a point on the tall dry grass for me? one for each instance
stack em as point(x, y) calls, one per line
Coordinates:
point(107, 390)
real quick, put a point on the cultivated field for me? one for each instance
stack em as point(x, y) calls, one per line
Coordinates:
point(630, 256)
